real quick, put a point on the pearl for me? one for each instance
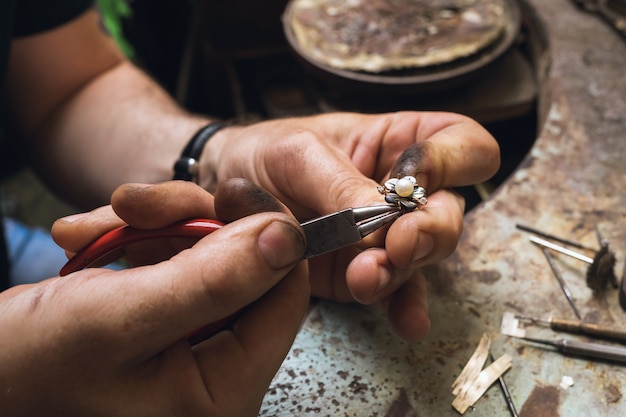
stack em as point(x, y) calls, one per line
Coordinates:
point(404, 187)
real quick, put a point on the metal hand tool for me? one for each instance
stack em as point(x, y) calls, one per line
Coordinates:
point(505, 392)
point(562, 283)
point(345, 228)
point(324, 234)
point(561, 249)
point(591, 350)
point(622, 290)
point(552, 237)
point(601, 266)
point(579, 327)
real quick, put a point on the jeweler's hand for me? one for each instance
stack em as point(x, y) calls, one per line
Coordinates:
point(112, 343)
point(316, 165)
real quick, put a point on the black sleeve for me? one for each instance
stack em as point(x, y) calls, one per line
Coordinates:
point(32, 16)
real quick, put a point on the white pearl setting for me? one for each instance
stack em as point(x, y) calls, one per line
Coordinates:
point(404, 192)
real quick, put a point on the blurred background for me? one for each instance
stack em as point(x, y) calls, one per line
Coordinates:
point(232, 60)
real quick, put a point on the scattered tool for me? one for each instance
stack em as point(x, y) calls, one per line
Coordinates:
point(602, 270)
point(553, 237)
point(562, 282)
point(622, 290)
point(510, 325)
point(546, 244)
point(586, 349)
point(601, 266)
point(505, 392)
point(324, 234)
point(579, 327)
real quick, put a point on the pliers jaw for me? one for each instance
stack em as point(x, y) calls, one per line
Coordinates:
point(346, 227)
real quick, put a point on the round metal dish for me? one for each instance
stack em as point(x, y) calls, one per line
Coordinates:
point(411, 80)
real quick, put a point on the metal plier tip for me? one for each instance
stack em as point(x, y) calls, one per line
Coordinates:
point(346, 227)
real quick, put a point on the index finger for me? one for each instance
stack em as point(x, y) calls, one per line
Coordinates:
point(449, 149)
point(440, 149)
point(459, 154)
point(143, 206)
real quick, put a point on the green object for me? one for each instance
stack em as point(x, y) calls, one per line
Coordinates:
point(113, 12)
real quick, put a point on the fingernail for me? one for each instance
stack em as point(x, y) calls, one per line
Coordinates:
point(411, 161)
point(72, 218)
point(139, 185)
point(281, 244)
point(425, 244)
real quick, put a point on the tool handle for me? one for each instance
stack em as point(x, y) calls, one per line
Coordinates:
point(572, 326)
point(125, 235)
point(594, 350)
point(116, 239)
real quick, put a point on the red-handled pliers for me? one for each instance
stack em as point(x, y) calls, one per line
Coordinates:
point(323, 234)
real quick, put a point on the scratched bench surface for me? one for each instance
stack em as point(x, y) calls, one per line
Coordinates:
point(345, 361)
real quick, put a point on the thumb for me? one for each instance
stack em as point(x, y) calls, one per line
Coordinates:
point(222, 273)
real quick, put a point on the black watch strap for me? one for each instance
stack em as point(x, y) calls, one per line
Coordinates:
point(186, 167)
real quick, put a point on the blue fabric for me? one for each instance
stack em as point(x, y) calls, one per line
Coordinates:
point(33, 255)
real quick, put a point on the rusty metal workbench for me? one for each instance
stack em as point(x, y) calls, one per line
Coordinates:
point(346, 362)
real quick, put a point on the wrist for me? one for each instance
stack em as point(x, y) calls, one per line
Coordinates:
point(212, 158)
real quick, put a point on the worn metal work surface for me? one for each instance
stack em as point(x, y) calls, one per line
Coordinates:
point(346, 361)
